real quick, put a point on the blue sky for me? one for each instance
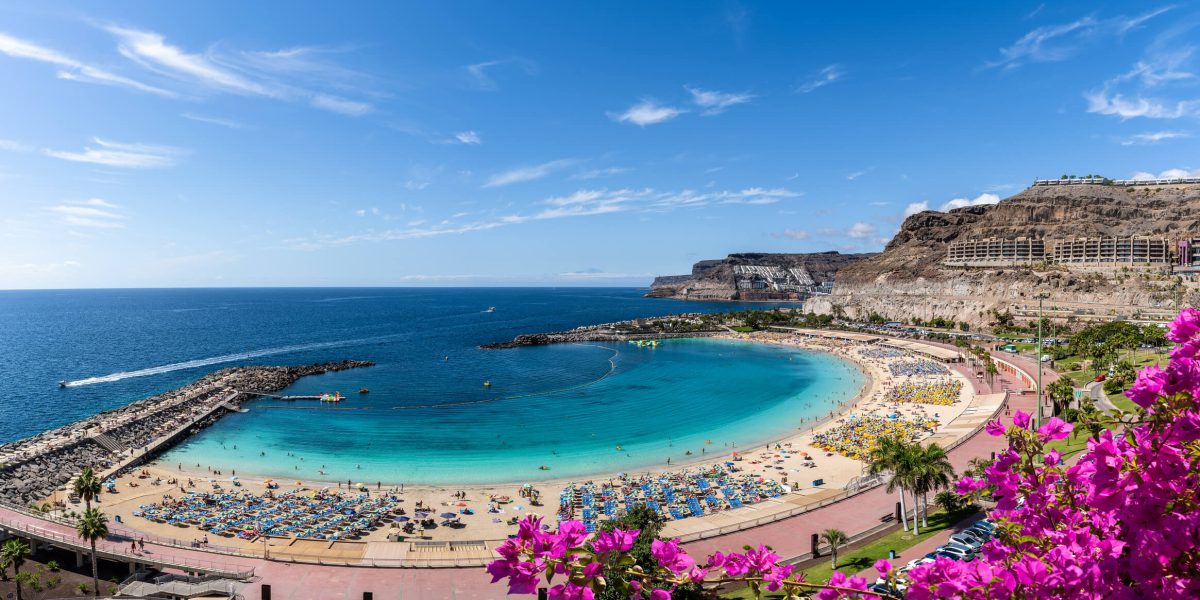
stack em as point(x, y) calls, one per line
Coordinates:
point(480, 143)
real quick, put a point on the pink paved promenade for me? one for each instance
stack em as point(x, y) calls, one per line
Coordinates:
point(790, 537)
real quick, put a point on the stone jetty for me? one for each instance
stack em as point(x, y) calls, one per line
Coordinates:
point(653, 328)
point(32, 468)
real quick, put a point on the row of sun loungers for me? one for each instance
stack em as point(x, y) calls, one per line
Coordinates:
point(305, 515)
point(677, 495)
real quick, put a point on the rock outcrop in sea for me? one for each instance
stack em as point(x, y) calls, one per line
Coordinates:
point(756, 276)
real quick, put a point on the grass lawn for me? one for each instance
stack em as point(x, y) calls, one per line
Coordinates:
point(1070, 446)
point(853, 561)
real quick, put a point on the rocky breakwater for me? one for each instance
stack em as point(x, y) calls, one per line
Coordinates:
point(33, 468)
point(674, 326)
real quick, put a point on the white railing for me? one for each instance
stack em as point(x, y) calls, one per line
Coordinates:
point(75, 543)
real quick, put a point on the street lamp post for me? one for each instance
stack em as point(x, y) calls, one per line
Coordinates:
point(1038, 364)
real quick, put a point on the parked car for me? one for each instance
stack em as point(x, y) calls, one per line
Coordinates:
point(968, 540)
point(957, 552)
point(912, 564)
point(983, 534)
point(885, 591)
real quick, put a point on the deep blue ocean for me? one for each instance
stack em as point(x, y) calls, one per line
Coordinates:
point(428, 418)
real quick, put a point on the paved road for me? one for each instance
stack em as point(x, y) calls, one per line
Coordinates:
point(789, 537)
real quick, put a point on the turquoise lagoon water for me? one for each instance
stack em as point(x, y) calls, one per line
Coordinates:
point(650, 403)
point(428, 419)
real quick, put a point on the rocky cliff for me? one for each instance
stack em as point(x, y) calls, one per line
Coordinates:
point(908, 280)
point(715, 279)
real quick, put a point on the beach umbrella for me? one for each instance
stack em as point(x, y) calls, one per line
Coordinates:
point(402, 519)
point(448, 515)
point(462, 503)
point(421, 515)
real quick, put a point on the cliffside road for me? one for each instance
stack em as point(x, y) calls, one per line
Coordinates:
point(1099, 251)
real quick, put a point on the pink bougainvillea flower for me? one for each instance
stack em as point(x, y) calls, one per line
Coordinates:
point(1185, 326)
point(969, 484)
point(617, 540)
point(883, 567)
point(1148, 386)
point(995, 427)
point(1021, 419)
point(1055, 429)
point(670, 556)
point(570, 591)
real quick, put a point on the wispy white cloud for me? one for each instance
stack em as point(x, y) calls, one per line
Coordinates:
point(281, 75)
point(821, 79)
point(36, 269)
point(915, 207)
point(597, 275)
point(714, 103)
point(529, 173)
point(478, 77)
point(151, 50)
point(1053, 43)
point(70, 68)
point(598, 173)
point(1168, 174)
point(1153, 137)
point(468, 137)
point(861, 230)
point(581, 203)
point(647, 112)
point(116, 154)
point(337, 104)
point(1139, 92)
point(15, 146)
point(223, 122)
point(855, 175)
point(796, 234)
point(93, 213)
point(1100, 102)
point(979, 200)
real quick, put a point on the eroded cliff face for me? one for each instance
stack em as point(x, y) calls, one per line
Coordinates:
point(714, 279)
point(908, 280)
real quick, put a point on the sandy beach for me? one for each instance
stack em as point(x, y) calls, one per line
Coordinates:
point(149, 484)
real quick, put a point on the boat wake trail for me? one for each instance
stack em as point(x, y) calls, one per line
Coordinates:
point(204, 362)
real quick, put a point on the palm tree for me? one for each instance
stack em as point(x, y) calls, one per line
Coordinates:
point(893, 456)
point(931, 471)
point(93, 525)
point(13, 552)
point(87, 486)
point(836, 538)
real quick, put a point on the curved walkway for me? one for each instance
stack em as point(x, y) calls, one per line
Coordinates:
point(789, 537)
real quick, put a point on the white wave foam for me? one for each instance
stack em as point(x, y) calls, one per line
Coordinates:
point(204, 362)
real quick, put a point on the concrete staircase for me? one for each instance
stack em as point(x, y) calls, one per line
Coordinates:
point(108, 443)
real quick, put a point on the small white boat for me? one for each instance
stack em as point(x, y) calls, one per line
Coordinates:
point(491, 309)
